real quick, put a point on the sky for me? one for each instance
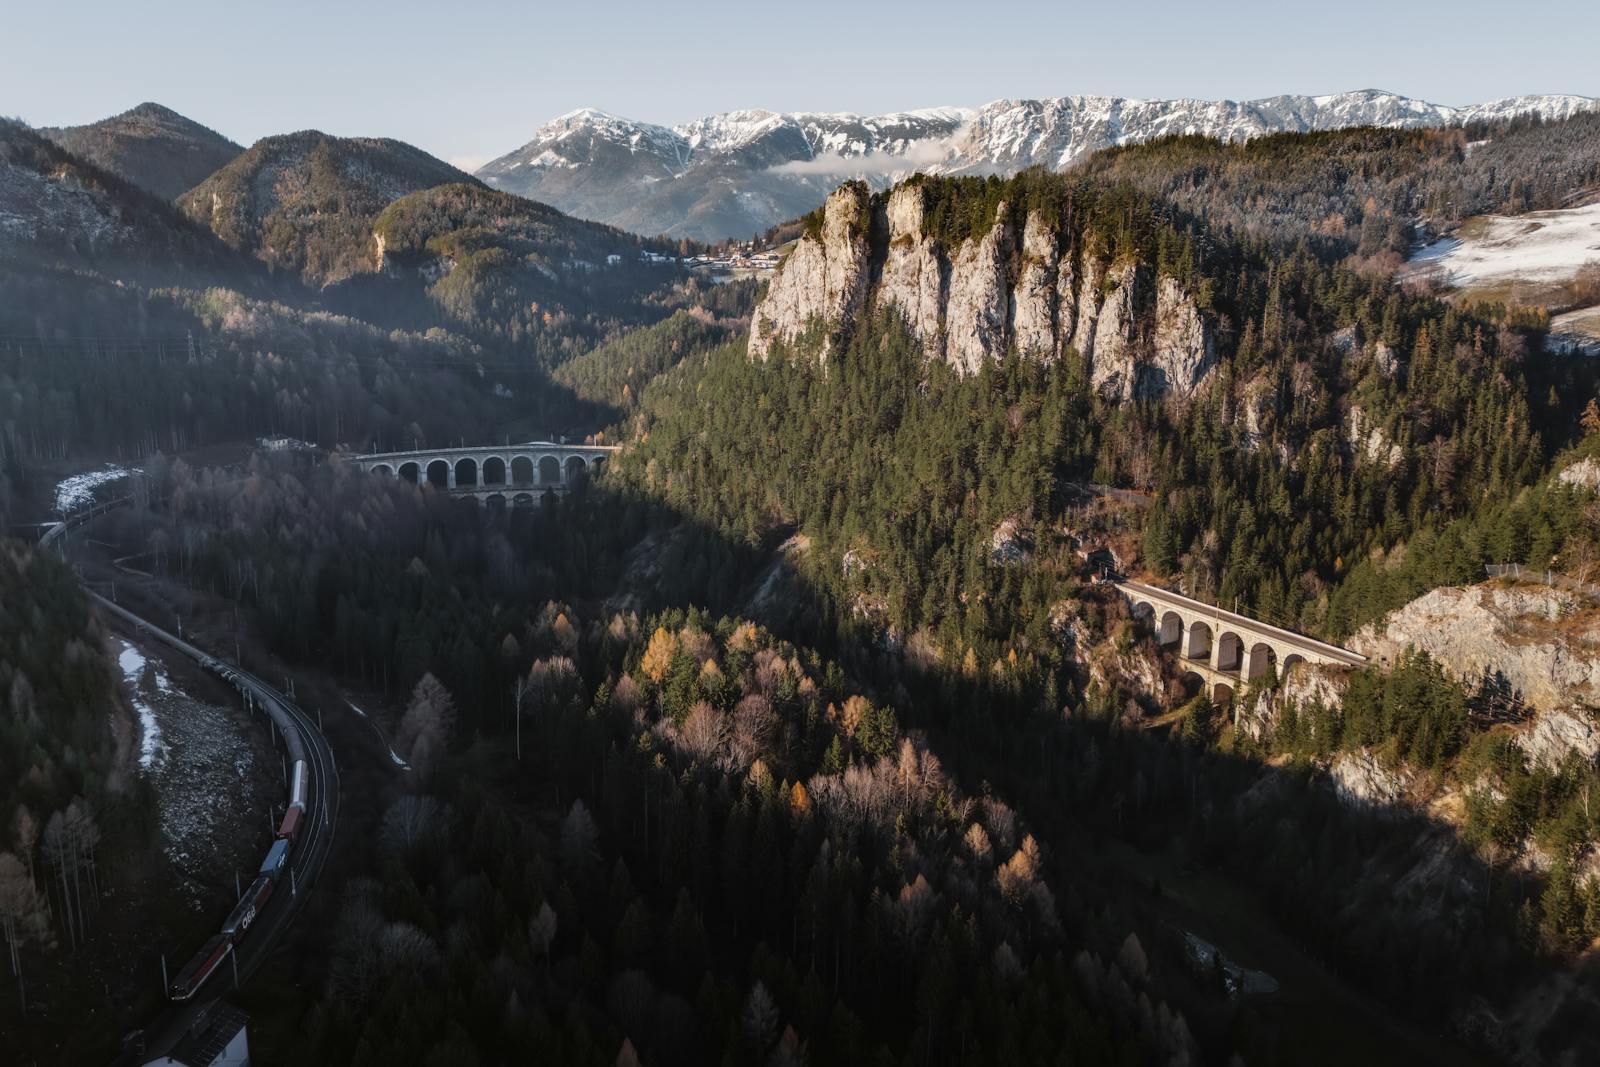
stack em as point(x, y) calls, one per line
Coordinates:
point(470, 80)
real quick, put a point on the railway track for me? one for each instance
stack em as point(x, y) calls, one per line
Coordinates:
point(313, 840)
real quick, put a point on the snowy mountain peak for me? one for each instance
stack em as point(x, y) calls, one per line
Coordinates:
point(738, 172)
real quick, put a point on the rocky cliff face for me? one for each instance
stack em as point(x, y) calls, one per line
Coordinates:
point(1367, 441)
point(977, 311)
point(1541, 642)
point(1584, 474)
point(1308, 685)
point(822, 282)
point(1019, 283)
point(915, 277)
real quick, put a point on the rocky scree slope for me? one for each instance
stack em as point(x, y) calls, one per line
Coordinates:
point(151, 146)
point(1022, 282)
point(741, 172)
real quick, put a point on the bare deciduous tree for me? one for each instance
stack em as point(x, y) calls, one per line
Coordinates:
point(22, 916)
point(429, 721)
point(703, 732)
point(542, 932)
point(410, 823)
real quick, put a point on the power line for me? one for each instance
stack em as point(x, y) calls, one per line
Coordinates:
point(181, 348)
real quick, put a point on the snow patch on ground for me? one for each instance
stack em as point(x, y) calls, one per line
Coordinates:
point(78, 491)
point(284, 444)
point(1576, 333)
point(1545, 246)
point(152, 750)
point(215, 774)
point(393, 755)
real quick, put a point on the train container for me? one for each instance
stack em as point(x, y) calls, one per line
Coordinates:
point(290, 827)
point(244, 913)
point(197, 970)
point(297, 785)
point(277, 856)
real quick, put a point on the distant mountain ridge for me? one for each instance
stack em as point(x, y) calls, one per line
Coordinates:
point(151, 146)
point(740, 172)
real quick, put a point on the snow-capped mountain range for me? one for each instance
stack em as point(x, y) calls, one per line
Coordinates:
point(740, 172)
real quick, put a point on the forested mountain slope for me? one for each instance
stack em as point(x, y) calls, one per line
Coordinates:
point(304, 202)
point(511, 272)
point(1367, 192)
point(919, 415)
point(59, 210)
point(151, 146)
point(126, 326)
point(68, 745)
point(1321, 413)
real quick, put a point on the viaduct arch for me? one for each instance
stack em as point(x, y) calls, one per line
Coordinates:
point(498, 476)
point(1224, 649)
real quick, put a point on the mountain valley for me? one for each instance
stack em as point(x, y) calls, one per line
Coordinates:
point(705, 553)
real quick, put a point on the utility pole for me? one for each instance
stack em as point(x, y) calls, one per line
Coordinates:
point(519, 718)
point(166, 986)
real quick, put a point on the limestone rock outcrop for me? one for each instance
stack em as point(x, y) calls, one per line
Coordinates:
point(1303, 688)
point(1184, 349)
point(1009, 544)
point(1114, 369)
point(914, 277)
point(977, 310)
point(1539, 642)
point(1361, 781)
point(1584, 474)
point(1088, 306)
point(824, 280)
point(1368, 442)
point(1256, 411)
point(1016, 284)
point(1038, 295)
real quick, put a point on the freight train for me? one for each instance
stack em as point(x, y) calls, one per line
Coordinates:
point(274, 870)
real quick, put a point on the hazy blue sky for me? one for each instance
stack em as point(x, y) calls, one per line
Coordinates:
point(470, 80)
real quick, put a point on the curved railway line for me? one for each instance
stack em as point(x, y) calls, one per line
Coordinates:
point(300, 849)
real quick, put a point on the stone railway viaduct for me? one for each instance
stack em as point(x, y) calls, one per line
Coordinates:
point(498, 475)
point(1223, 649)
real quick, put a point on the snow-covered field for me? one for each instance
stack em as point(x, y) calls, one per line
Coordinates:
point(1544, 246)
point(78, 491)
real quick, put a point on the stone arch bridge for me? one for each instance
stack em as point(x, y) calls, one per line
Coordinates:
point(498, 475)
point(1224, 649)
